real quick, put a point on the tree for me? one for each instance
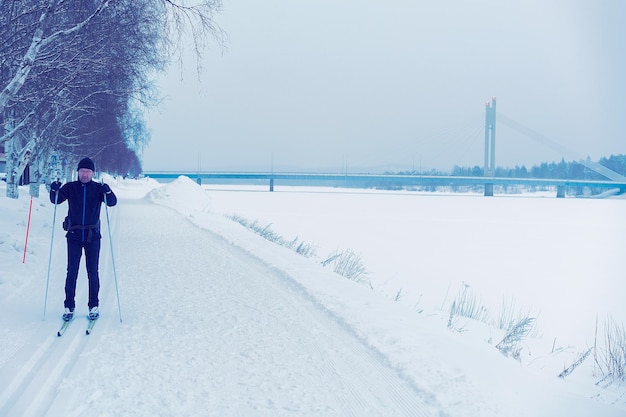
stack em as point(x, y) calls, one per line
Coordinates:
point(73, 73)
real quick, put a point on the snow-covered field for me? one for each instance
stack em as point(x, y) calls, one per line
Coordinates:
point(217, 321)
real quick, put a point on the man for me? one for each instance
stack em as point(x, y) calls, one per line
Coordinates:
point(82, 224)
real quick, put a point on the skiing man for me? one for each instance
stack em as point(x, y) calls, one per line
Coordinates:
point(82, 224)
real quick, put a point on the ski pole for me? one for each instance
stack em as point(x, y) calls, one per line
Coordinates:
point(117, 291)
point(54, 218)
point(30, 210)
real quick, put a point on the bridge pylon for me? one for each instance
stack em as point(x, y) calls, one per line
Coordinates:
point(490, 144)
point(490, 138)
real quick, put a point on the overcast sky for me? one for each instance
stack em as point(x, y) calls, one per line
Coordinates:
point(365, 86)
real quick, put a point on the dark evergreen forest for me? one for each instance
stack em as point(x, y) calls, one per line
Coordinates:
point(572, 170)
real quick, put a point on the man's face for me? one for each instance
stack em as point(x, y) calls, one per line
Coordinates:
point(85, 175)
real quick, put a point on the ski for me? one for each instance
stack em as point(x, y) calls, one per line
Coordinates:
point(64, 327)
point(90, 326)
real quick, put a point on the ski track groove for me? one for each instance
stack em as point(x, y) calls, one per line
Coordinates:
point(44, 397)
point(32, 390)
point(23, 376)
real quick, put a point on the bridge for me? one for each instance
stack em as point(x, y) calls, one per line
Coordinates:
point(369, 180)
point(615, 183)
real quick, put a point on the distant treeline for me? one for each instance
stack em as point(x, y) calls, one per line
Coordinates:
point(563, 170)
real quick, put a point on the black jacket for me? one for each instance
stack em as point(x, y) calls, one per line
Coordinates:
point(84, 201)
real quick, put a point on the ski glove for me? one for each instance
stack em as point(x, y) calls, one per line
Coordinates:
point(55, 186)
point(105, 189)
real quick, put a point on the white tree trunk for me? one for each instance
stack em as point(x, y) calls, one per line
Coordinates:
point(18, 158)
point(12, 167)
point(35, 177)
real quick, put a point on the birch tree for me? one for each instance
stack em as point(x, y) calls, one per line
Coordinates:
point(72, 73)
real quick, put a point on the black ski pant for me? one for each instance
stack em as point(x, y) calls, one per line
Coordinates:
point(92, 255)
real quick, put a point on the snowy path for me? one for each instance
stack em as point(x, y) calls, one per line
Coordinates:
point(224, 335)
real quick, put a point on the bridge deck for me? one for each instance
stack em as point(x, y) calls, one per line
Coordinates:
point(364, 179)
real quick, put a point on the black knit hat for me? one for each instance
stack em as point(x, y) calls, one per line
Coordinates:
point(86, 163)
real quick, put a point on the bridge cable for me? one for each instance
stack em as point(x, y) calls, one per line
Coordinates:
point(526, 131)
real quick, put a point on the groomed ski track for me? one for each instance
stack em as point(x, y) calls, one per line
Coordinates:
point(208, 330)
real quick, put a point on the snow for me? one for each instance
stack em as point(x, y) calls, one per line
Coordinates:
point(217, 321)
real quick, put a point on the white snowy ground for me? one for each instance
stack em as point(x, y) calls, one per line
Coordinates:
point(218, 321)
